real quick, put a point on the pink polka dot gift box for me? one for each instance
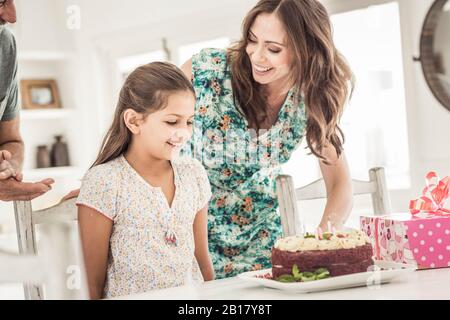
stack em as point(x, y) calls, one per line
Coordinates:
point(421, 236)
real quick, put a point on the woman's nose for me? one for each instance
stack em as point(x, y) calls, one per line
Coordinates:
point(258, 54)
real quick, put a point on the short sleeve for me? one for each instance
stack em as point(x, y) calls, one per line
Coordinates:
point(209, 74)
point(209, 64)
point(99, 191)
point(12, 103)
point(9, 76)
point(202, 181)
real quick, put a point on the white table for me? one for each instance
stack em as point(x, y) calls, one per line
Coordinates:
point(421, 284)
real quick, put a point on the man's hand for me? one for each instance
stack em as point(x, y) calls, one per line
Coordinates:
point(12, 189)
point(7, 167)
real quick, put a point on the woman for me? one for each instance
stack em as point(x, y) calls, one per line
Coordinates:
point(256, 101)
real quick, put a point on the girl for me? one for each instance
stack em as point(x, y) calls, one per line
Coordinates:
point(284, 76)
point(142, 211)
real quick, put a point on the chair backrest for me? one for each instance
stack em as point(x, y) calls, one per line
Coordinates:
point(288, 197)
point(56, 266)
point(27, 219)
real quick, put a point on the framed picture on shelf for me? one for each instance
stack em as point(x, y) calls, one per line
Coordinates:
point(39, 94)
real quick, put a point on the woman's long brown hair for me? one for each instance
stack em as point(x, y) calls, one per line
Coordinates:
point(319, 71)
point(145, 90)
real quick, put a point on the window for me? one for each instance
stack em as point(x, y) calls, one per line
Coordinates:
point(187, 51)
point(127, 64)
point(374, 122)
point(375, 119)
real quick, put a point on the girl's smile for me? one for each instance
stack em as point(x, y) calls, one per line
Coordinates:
point(164, 132)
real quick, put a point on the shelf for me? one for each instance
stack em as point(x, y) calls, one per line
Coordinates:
point(53, 172)
point(45, 114)
point(45, 56)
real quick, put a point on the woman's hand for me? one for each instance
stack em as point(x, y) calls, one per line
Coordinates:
point(339, 190)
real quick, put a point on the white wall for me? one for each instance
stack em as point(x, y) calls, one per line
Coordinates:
point(109, 16)
point(41, 25)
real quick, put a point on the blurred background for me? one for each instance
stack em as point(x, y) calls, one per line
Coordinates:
point(89, 47)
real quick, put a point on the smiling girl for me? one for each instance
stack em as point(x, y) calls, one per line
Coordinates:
point(142, 210)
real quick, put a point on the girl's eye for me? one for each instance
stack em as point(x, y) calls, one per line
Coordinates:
point(251, 40)
point(274, 50)
point(172, 123)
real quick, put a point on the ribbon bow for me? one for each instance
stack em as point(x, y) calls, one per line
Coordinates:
point(433, 196)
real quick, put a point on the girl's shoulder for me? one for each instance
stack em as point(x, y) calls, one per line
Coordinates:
point(109, 171)
point(101, 188)
point(209, 62)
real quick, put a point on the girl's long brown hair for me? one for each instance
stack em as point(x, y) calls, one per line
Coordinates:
point(145, 90)
point(319, 71)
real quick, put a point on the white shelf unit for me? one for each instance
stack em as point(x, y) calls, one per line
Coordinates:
point(40, 126)
point(46, 114)
point(45, 56)
point(37, 174)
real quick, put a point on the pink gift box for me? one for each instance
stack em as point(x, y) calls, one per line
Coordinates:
point(422, 239)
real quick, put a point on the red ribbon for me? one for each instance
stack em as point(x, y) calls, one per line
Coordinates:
point(433, 196)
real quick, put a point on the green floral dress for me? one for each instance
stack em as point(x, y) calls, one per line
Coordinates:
point(243, 222)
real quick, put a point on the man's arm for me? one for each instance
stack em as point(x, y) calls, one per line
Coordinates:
point(11, 141)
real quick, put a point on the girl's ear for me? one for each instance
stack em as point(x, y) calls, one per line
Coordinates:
point(133, 120)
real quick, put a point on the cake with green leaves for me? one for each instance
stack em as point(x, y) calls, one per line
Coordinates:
point(312, 257)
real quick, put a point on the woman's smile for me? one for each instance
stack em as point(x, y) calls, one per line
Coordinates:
point(261, 70)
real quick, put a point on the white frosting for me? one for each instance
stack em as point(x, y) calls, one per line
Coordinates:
point(339, 240)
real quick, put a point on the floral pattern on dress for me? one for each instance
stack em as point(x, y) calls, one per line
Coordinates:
point(139, 258)
point(243, 222)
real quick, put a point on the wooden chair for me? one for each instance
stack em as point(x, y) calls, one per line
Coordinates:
point(288, 197)
point(27, 219)
point(56, 266)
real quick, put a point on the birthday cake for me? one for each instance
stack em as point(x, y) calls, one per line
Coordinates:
point(313, 257)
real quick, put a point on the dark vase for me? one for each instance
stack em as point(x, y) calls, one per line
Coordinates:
point(43, 157)
point(60, 153)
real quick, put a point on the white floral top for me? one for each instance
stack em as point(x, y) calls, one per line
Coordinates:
point(140, 258)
